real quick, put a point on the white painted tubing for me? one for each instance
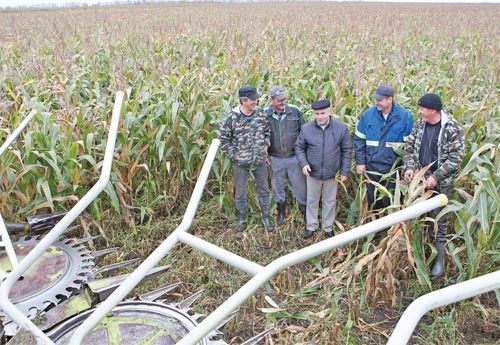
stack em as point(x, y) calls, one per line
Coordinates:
point(152, 260)
point(6, 305)
point(223, 255)
point(304, 254)
point(448, 295)
point(17, 131)
point(7, 244)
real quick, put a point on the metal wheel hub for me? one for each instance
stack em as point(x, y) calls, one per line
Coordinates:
point(54, 276)
point(133, 323)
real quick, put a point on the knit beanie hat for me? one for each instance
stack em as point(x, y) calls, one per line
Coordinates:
point(431, 101)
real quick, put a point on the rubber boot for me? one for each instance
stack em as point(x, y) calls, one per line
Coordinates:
point(308, 233)
point(267, 222)
point(437, 269)
point(242, 221)
point(281, 212)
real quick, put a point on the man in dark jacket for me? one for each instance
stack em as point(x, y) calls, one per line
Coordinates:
point(379, 141)
point(285, 121)
point(244, 137)
point(323, 148)
point(437, 141)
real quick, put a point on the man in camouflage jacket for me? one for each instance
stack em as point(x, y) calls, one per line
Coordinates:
point(436, 141)
point(245, 138)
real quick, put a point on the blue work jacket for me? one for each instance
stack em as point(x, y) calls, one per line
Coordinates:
point(378, 142)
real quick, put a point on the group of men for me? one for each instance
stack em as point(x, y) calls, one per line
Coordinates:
point(317, 154)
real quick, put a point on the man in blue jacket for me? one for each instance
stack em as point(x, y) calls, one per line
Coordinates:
point(323, 148)
point(379, 141)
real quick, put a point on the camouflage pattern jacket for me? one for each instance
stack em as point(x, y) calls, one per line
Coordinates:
point(245, 140)
point(450, 150)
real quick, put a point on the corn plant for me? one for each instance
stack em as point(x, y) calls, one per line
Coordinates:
point(181, 66)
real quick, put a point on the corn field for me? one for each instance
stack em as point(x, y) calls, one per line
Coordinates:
point(180, 66)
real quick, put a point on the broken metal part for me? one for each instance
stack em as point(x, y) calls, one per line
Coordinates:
point(35, 225)
point(54, 277)
point(154, 295)
point(17, 228)
point(52, 294)
point(188, 302)
point(134, 322)
point(105, 286)
point(43, 223)
point(114, 266)
point(103, 252)
point(63, 311)
point(23, 337)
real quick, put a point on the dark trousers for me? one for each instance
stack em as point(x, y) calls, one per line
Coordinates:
point(438, 230)
point(241, 181)
point(370, 191)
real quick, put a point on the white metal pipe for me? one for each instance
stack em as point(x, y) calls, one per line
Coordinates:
point(17, 131)
point(448, 295)
point(5, 304)
point(304, 254)
point(3, 229)
point(152, 260)
point(7, 243)
point(223, 255)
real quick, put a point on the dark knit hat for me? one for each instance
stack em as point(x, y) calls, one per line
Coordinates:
point(321, 104)
point(431, 101)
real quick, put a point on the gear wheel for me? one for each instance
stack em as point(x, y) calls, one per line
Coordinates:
point(53, 277)
point(135, 323)
point(60, 285)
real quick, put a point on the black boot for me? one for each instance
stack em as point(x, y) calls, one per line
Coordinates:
point(308, 233)
point(242, 221)
point(437, 269)
point(267, 222)
point(281, 212)
point(302, 209)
